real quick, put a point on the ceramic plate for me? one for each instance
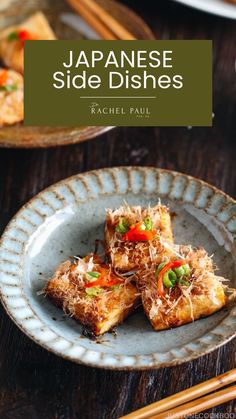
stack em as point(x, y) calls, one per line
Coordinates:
point(216, 7)
point(67, 25)
point(66, 218)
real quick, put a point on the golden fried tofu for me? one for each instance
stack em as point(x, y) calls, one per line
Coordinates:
point(136, 236)
point(182, 289)
point(90, 292)
point(11, 97)
point(12, 39)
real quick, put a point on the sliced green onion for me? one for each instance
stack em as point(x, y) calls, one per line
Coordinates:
point(166, 281)
point(142, 227)
point(12, 36)
point(169, 279)
point(187, 269)
point(160, 267)
point(179, 271)
point(8, 87)
point(148, 224)
point(183, 282)
point(183, 270)
point(93, 292)
point(123, 226)
point(173, 277)
point(94, 274)
point(114, 287)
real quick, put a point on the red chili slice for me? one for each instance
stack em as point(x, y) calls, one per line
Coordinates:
point(167, 267)
point(3, 77)
point(105, 280)
point(136, 235)
point(25, 35)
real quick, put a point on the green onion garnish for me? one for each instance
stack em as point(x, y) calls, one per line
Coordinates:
point(169, 279)
point(187, 269)
point(114, 287)
point(160, 267)
point(179, 271)
point(93, 292)
point(183, 282)
point(94, 274)
point(183, 270)
point(123, 226)
point(148, 224)
point(12, 36)
point(8, 87)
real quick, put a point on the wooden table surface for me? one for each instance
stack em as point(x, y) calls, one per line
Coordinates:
point(35, 383)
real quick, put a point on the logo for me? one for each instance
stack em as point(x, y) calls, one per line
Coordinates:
point(138, 112)
point(93, 106)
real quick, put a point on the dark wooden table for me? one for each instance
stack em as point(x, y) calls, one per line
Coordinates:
point(33, 382)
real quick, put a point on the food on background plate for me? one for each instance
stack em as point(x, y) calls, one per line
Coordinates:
point(36, 27)
point(90, 292)
point(181, 289)
point(136, 236)
point(11, 97)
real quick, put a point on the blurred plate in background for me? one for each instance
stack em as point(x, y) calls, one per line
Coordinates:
point(66, 25)
point(217, 7)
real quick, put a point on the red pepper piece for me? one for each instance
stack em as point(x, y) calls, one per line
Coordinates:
point(21, 35)
point(105, 280)
point(136, 235)
point(3, 77)
point(101, 283)
point(25, 35)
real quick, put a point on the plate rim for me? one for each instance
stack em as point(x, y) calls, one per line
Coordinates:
point(77, 137)
point(227, 14)
point(141, 360)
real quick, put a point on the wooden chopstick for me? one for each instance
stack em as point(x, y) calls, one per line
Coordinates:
point(184, 396)
point(199, 405)
point(119, 30)
point(100, 20)
point(92, 20)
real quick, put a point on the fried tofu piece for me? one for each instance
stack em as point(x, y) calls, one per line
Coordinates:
point(11, 97)
point(99, 308)
point(201, 294)
point(127, 255)
point(12, 44)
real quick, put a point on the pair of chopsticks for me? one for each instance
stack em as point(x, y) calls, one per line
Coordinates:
point(190, 401)
point(100, 20)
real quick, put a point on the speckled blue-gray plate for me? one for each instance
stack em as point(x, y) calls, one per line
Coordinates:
point(67, 217)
